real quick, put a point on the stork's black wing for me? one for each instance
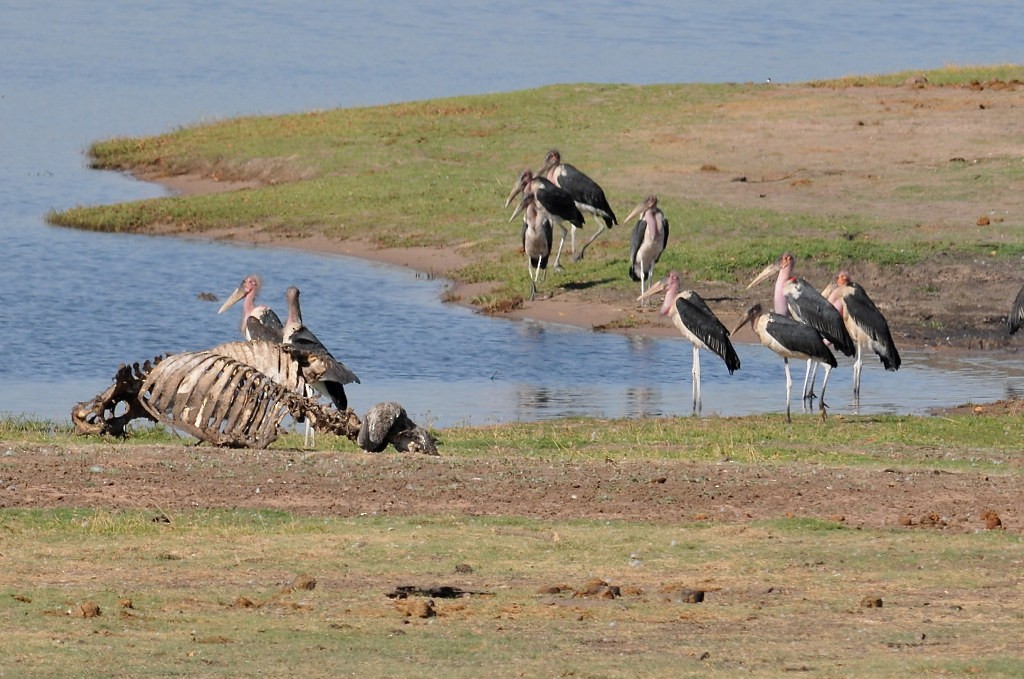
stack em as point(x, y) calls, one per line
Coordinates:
point(557, 202)
point(585, 191)
point(799, 338)
point(265, 325)
point(867, 316)
point(807, 305)
point(698, 318)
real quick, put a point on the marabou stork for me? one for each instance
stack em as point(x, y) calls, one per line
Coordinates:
point(790, 339)
point(259, 322)
point(797, 298)
point(1016, 317)
point(537, 238)
point(588, 195)
point(697, 323)
point(558, 204)
point(650, 236)
point(866, 325)
point(325, 374)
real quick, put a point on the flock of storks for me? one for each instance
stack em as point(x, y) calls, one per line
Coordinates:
point(803, 323)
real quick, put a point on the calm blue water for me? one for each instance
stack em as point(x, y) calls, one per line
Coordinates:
point(75, 305)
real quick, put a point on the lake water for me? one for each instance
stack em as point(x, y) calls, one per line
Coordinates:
point(75, 305)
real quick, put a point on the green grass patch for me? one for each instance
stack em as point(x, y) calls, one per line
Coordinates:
point(435, 173)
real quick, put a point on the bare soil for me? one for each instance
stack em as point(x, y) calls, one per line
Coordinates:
point(166, 479)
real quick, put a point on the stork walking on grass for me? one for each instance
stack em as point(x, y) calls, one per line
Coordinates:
point(323, 373)
point(259, 322)
point(697, 323)
point(587, 194)
point(650, 237)
point(790, 339)
point(537, 238)
point(557, 203)
point(797, 298)
point(866, 325)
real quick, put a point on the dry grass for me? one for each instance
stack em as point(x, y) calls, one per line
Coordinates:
point(216, 594)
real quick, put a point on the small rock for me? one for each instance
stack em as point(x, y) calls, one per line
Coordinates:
point(991, 519)
point(416, 608)
point(306, 582)
point(692, 596)
point(86, 609)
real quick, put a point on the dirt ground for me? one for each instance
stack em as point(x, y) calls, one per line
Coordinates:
point(166, 479)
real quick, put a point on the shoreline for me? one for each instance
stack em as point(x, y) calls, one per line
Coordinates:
point(562, 306)
point(565, 308)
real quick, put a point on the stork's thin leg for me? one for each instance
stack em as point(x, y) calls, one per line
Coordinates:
point(583, 250)
point(809, 375)
point(309, 440)
point(789, 388)
point(856, 373)
point(533, 277)
point(572, 239)
point(824, 385)
point(558, 256)
point(695, 376)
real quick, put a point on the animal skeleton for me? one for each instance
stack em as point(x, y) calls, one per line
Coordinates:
point(220, 396)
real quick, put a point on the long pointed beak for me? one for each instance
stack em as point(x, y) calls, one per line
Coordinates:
point(747, 318)
point(516, 190)
point(519, 208)
point(769, 271)
point(653, 290)
point(635, 211)
point(238, 294)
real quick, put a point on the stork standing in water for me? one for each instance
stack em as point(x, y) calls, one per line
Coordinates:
point(866, 325)
point(697, 323)
point(537, 238)
point(790, 339)
point(797, 298)
point(650, 237)
point(587, 194)
point(259, 322)
point(557, 203)
point(324, 373)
